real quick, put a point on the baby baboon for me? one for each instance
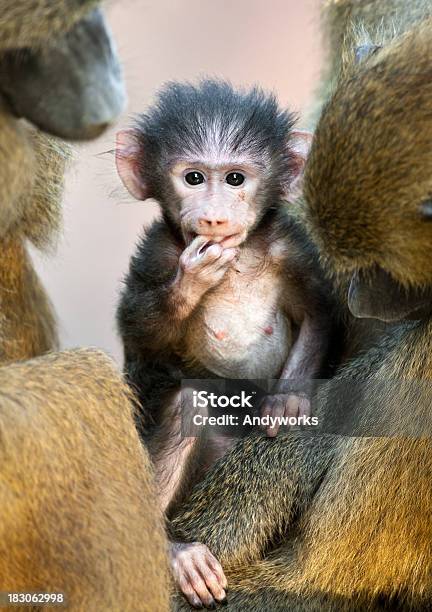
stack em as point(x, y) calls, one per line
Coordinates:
point(78, 513)
point(225, 284)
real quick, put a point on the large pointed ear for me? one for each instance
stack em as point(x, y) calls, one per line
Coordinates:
point(300, 144)
point(376, 295)
point(129, 161)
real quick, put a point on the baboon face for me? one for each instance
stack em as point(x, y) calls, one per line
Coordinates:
point(217, 159)
point(368, 182)
point(70, 85)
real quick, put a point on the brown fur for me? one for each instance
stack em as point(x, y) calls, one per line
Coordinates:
point(78, 507)
point(31, 185)
point(32, 167)
point(27, 324)
point(387, 97)
point(353, 513)
point(30, 209)
point(18, 19)
point(349, 23)
point(31, 182)
point(17, 168)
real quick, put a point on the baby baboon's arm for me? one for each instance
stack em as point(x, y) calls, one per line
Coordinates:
point(310, 305)
point(164, 286)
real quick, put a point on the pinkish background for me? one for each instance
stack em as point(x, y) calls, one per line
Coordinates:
point(274, 42)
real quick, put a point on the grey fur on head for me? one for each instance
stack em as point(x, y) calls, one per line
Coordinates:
point(192, 120)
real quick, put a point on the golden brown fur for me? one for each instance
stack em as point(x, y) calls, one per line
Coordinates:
point(382, 109)
point(27, 324)
point(30, 209)
point(31, 185)
point(346, 22)
point(17, 168)
point(78, 507)
point(349, 23)
point(18, 19)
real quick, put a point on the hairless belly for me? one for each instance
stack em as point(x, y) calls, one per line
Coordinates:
point(240, 331)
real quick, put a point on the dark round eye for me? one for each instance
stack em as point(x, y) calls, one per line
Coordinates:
point(235, 179)
point(194, 178)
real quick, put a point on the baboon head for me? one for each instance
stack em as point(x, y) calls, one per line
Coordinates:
point(58, 71)
point(58, 67)
point(368, 181)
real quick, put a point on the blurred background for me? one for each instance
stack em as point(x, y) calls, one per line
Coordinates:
point(275, 43)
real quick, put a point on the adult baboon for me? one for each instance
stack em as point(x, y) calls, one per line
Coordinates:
point(78, 510)
point(78, 515)
point(59, 70)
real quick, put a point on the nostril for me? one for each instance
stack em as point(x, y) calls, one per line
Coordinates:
point(209, 222)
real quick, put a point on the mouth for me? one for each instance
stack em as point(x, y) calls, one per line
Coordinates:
point(225, 241)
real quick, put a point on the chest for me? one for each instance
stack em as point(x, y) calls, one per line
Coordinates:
point(240, 329)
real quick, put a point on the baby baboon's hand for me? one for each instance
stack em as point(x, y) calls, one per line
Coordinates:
point(284, 405)
point(198, 574)
point(202, 267)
